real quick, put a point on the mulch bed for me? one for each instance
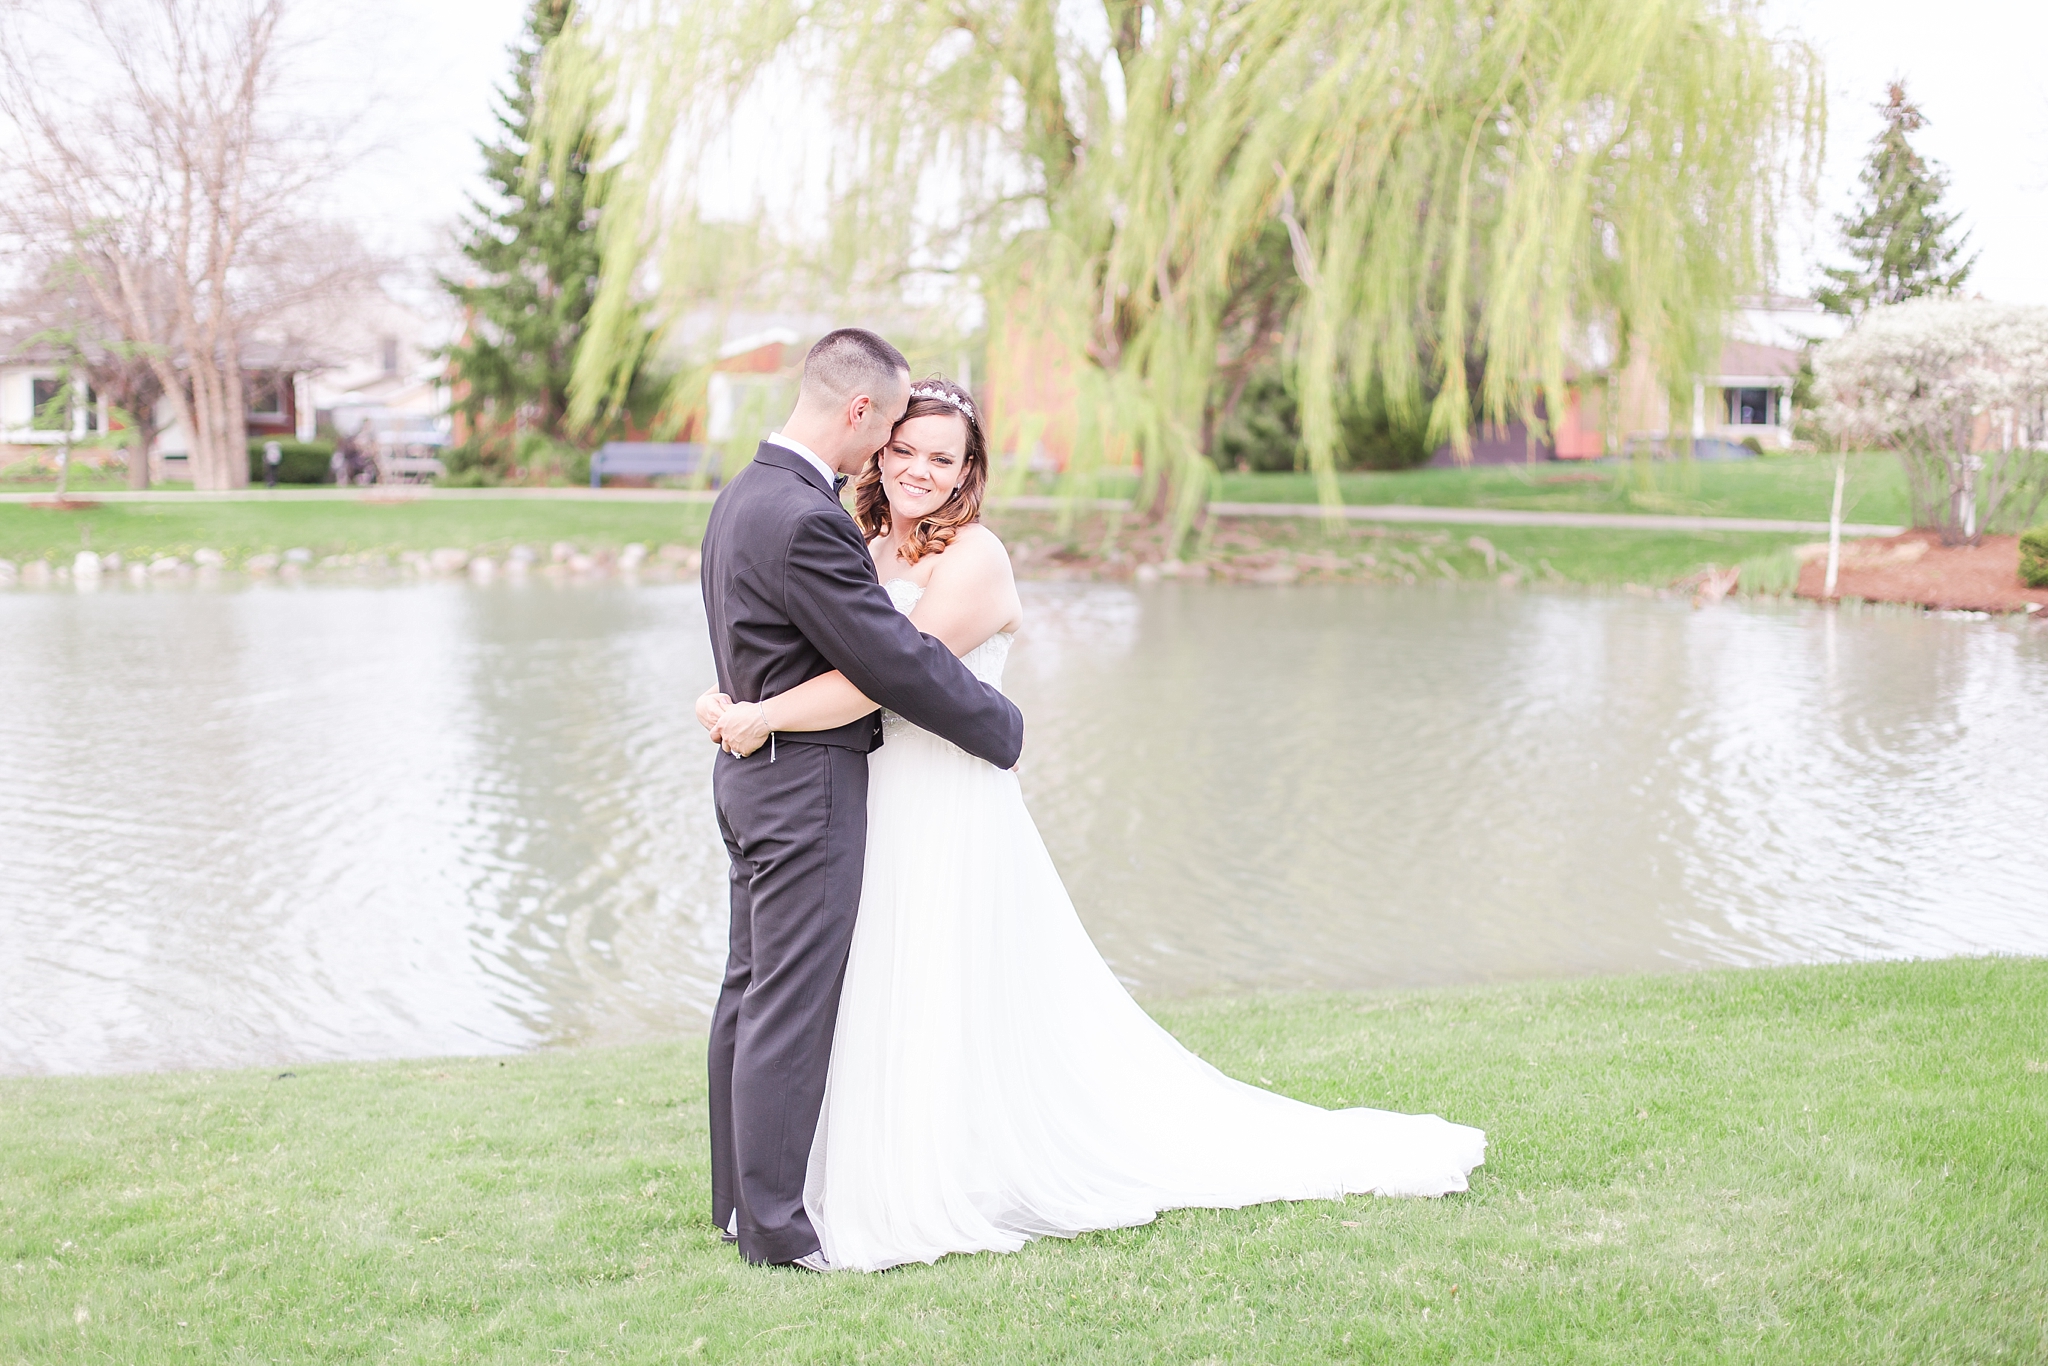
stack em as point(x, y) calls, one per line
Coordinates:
point(1917, 568)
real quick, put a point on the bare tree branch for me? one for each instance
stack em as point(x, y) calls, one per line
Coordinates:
point(155, 154)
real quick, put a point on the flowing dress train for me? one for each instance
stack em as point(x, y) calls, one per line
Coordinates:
point(992, 1082)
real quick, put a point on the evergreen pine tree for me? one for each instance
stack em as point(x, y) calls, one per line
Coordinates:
point(1900, 239)
point(536, 261)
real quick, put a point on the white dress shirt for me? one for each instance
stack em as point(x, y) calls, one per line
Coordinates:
point(791, 444)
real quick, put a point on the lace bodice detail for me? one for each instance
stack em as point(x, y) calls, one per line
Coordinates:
point(985, 661)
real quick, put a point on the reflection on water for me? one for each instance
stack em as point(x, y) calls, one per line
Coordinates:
point(338, 822)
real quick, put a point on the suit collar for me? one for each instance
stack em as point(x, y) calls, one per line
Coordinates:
point(783, 458)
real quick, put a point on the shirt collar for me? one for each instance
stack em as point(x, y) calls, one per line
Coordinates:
point(792, 444)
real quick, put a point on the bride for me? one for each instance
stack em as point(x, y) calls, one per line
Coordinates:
point(991, 1081)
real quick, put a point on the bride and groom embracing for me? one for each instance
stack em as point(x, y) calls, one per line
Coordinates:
point(917, 1050)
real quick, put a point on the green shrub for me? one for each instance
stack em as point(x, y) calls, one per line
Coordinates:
point(305, 462)
point(2034, 558)
point(1263, 432)
point(1752, 445)
point(540, 459)
point(473, 477)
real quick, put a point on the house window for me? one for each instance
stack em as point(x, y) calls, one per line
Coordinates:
point(1750, 407)
point(266, 394)
point(389, 348)
point(49, 411)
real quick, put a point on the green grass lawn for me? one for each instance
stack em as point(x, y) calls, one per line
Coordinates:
point(1843, 1164)
point(1411, 553)
point(1798, 488)
point(341, 526)
point(142, 530)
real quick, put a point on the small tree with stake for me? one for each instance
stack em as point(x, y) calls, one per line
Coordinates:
point(1959, 388)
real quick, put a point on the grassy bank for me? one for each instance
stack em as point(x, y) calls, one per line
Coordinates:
point(340, 526)
point(1794, 487)
point(1291, 549)
point(1798, 488)
point(1093, 545)
point(1827, 1165)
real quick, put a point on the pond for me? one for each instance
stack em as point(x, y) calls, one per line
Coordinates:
point(286, 823)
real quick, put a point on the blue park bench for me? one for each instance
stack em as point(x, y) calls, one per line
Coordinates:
point(651, 458)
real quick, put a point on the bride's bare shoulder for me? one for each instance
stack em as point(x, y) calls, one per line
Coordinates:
point(976, 568)
point(978, 547)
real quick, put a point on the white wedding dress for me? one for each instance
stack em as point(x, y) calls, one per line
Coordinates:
point(991, 1080)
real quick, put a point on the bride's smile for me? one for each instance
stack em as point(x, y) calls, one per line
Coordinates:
point(922, 463)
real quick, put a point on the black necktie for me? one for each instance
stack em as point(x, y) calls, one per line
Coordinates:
point(839, 484)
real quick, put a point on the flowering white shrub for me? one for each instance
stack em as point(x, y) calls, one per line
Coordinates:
point(1959, 388)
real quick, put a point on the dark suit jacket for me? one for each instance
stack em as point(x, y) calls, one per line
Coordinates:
point(790, 593)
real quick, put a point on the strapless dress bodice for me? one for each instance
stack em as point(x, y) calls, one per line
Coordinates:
point(985, 661)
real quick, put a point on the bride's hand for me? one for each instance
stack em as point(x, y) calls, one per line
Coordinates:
point(742, 729)
point(711, 705)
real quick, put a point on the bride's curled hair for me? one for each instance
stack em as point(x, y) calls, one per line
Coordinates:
point(933, 397)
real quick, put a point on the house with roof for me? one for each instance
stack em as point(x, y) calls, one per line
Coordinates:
point(32, 380)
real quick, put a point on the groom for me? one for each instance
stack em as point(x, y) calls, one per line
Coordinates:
point(790, 593)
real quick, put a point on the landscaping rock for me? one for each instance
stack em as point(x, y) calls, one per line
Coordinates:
point(298, 554)
point(521, 555)
point(208, 558)
point(448, 560)
point(561, 552)
point(260, 564)
point(632, 555)
point(8, 573)
point(85, 565)
point(483, 569)
point(164, 566)
point(36, 572)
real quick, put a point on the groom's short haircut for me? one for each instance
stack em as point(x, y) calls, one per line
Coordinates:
point(852, 361)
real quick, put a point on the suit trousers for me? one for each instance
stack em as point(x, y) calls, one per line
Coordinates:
point(795, 828)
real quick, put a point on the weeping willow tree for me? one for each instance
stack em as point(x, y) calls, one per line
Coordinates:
point(1439, 206)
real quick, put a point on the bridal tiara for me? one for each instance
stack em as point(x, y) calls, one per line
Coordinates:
point(943, 396)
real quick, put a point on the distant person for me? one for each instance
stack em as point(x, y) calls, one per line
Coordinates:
point(917, 1050)
point(337, 463)
point(273, 456)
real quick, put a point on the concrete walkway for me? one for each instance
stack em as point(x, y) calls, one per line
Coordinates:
point(1452, 516)
point(377, 493)
point(1376, 512)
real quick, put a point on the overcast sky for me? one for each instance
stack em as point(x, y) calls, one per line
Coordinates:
point(1975, 66)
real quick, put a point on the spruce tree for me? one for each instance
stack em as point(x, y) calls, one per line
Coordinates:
point(1900, 239)
point(536, 260)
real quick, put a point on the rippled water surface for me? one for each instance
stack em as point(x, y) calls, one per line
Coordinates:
point(276, 823)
